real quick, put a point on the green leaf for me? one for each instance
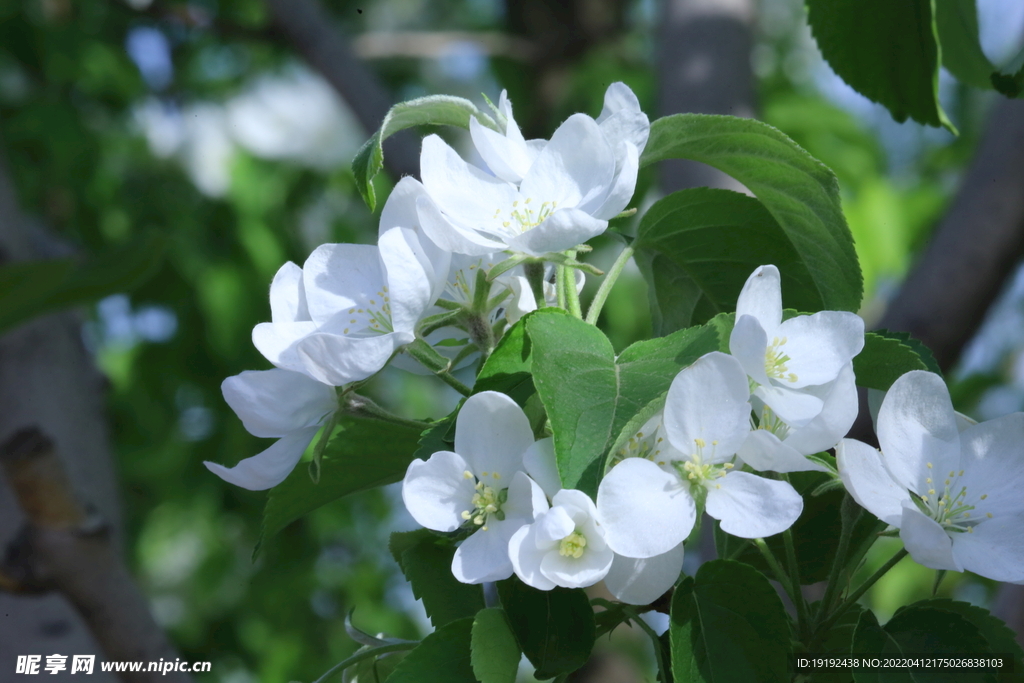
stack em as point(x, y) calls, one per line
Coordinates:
point(507, 370)
point(800, 192)
point(440, 436)
point(1011, 82)
point(815, 533)
point(374, 669)
point(888, 355)
point(33, 288)
point(442, 657)
point(590, 395)
point(919, 629)
point(1000, 638)
point(728, 624)
point(957, 24)
point(838, 641)
point(496, 653)
point(362, 454)
point(886, 51)
point(708, 242)
point(555, 629)
point(430, 110)
point(426, 561)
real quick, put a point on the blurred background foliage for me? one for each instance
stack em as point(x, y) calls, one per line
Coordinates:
point(196, 120)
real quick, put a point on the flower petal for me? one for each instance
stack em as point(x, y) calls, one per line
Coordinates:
point(642, 581)
point(993, 466)
point(837, 415)
point(709, 401)
point(416, 273)
point(539, 462)
point(562, 230)
point(866, 477)
point(820, 345)
point(452, 236)
point(764, 452)
point(525, 500)
point(621, 117)
point(269, 468)
point(507, 155)
point(553, 526)
point(400, 209)
point(526, 556)
point(748, 343)
point(576, 167)
point(462, 191)
point(288, 296)
point(926, 541)
point(995, 549)
point(436, 492)
point(484, 556)
point(795, 408)
point(572, 572)
point(337, 359)
point(492, 433)
point(917, 430)
point(645, 511)
point(750, 506)
point(273, 403)
point(623, 185)
point(277, 342)
point(340, 276)
point(761, 297)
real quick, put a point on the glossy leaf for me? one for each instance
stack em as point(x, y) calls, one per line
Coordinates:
point(887, 356)
point(426, 561)
point(495, 652)
point(442, 657)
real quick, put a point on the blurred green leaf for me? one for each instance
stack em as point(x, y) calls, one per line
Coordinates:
point(728, 624)
point(430, 110)
point(1000, 637)
point(442, 657)
point(888, 355)
point(33, 288)
point(708, 242)
point(886, 51)
point(496, 653)
point(799, 191)
point(426, 561)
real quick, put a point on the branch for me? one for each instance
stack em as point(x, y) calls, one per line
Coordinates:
point(308, 28)
point(63, 548)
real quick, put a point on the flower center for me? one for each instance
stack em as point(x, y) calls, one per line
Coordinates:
point(573, 545)
point(950, 507)
point(699, 472)
point(373, 318)
point(771, 423)
point(525, 217)
point(487, 501)
point(775, 360)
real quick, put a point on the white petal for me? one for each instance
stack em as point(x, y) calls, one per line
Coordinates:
point(562, 230)
point(576, 167)
point(273, 403)
point(641, 582)
point(868, 480)
point(552, 527)
point(926, 541)
point(835, 419)
point(764, 452)
point(709, 401)
point(539, 462)
point(451, 236)
point(917, 426)
point(465, 193)
point(572, 572)
point(796, 408)
point(748, 343)
point(820, 345)
point(621, 117)
point(400, 209)
point(416, 272)
point(749, 506)
point(336, 359)
point(761, 297)
point(526, 557)
point(267, 469)
point(525, 500)
point(437, 492)
point(624, 184)
point(645, 511)
point(340, 276)
point(578, 501)
point(483, 557)
point(522, 301)
point(288, 296)
point(995, 549)
point(508, 157)
point(993, 464)
point(277, 342)
point(492, 433)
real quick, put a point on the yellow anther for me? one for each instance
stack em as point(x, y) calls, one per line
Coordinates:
point(928, 480)
point(465, 514)
point(573, 545)
point(984, 496)
point(700, 443)
point(989, 515)
point(929, 465)
point(931, 492)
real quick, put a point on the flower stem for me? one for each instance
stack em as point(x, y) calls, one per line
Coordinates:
point(366, 654)
point(606, 286)
point(360, 406)
point(849, 513)
point(429, 358)
point(794, 575)
point(861, 590)
point(534, 272)
point(567, 281)
point(780, 575)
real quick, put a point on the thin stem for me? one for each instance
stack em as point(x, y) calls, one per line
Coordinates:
point(567, 281)
point(794, 575)
point(366, 654)
point(780, 575)
point(658, 653)
point(560, 286)
point(849, 513)
point(606, 286)
point(361, 406)
point(535, 276)
point(449, 379)
point(429, 358)
point(862, 589)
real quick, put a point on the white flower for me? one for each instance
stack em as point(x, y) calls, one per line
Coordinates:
point(775, 446)
point(564, 546)
point(481, 486)
point(280, 404)
point(542, 198)
point(648, 505)
point(366, 302)
point(641, 581)
point(786, 358)
point(290, 320)
point(955, 496)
